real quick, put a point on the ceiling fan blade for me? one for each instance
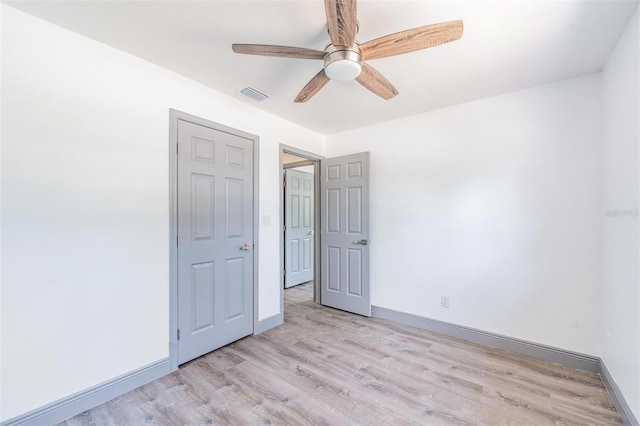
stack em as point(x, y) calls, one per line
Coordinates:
point(312, 87)
point(377, 83)
point(280, 51)
point(342, 21)
point(412, 40)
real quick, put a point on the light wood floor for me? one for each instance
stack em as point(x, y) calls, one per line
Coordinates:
point(327, 367)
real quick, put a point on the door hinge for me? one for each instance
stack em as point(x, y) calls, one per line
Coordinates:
point(284, 272)
point(178, 148)
point(178, 334)
point(284, 183)
point(177, 240)
point(284, 228)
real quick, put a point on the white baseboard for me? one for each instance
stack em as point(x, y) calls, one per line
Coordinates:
point(72, 405)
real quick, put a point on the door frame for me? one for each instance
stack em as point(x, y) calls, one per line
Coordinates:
point(174, 116)
point(316, 218)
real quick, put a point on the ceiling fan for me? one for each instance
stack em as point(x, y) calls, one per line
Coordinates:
point(344, 57)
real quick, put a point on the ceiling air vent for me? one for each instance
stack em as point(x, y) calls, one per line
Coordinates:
point(254, 93)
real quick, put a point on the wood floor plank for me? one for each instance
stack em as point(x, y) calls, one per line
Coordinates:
point(328, 367)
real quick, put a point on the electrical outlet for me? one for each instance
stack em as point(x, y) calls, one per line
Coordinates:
point(444, 301)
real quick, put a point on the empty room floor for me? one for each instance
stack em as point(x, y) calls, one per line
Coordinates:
point(328, 367)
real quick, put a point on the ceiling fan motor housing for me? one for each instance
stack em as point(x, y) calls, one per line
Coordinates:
point(342, 63)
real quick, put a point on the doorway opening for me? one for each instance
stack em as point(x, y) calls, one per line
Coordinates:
point(299, 222)
point(341, 250)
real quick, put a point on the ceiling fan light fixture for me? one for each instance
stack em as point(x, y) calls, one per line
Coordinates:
point(343, 70)
point(342, 64)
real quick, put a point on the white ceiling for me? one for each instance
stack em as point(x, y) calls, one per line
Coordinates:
point(506, 46)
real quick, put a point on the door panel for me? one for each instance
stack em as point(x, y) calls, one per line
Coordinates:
point(354, 273)
point(203, 293)
point(202, 206)
point(234, 201)
point(333, 269)
point(215, 219)
point(299, 227)
point(234, 289)
point(345, 233)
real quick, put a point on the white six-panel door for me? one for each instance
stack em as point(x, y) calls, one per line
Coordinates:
point(298, 227)
point(215, 239)
point(345, 233)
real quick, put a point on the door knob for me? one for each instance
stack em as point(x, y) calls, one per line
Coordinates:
point(362, 242)
point(310, 233)
point(247, 247)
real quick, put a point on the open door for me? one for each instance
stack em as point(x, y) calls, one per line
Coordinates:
point(345, 233)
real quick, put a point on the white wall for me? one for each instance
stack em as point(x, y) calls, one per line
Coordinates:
point(497, 204)
point(621, 273)
point(85, 283)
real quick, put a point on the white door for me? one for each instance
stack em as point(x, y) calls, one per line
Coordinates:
point(298, 213)
point(215, 239)
point(345, 233)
